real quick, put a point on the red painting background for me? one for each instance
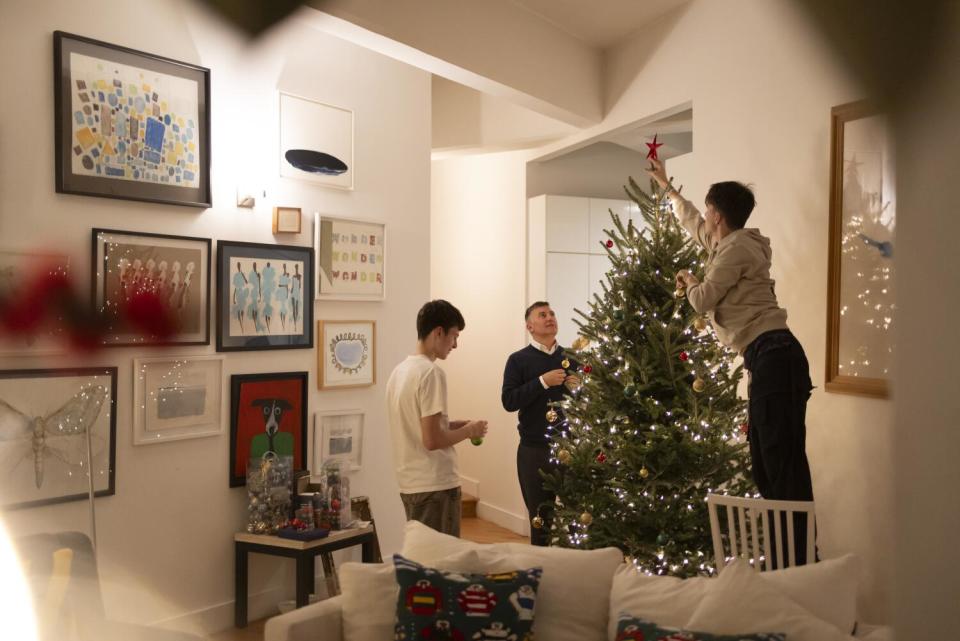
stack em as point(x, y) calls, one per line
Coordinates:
point(250, 418)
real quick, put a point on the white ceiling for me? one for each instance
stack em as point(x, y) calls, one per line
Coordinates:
point(600, 23)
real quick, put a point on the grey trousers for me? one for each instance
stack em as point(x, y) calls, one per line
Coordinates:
point(439, 510)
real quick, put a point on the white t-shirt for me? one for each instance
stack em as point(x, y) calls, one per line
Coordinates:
point(418, 388)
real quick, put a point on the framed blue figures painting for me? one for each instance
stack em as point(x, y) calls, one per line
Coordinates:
point(265, 296)
point(130, 124)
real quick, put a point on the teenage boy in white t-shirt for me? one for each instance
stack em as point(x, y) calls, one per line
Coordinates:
point(423, 436)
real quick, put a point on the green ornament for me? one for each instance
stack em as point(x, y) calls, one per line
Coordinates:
point(477, 440)
point(630, 390)
point(618, 314)
point(662, 539)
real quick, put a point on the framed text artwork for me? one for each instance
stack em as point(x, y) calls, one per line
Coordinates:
point(348, 354)
point(130, 124)
point(316, 142)
point(264, 296)
point(58, 434)
point(861, 296)
point(351, 258)
point(268, 413)
point(174, 271)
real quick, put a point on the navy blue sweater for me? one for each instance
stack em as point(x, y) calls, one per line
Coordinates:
point(523, 391)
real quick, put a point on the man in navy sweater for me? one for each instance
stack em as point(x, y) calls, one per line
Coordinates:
point(534, 377)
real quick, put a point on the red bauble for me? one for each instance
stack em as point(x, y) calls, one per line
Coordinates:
point(601, 457)
point(745, 428)
point(335, 504)
point(684, 357)
point(609, 244)
point(587, 369)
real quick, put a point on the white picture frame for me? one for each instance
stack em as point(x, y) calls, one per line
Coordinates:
point(347, 356)
point(350, 258)
point(177, 398)
point(316, 142)
point(338, 436)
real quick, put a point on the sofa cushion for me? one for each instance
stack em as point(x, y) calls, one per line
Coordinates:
point(574, 595)
point(827, 589)
point(741, 601)
point(438, 604)
point(633, 629)
point(369, 596)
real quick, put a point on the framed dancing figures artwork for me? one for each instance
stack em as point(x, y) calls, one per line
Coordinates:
point(350, 258)
point(347, 356)
point(265, 296)
point(176, 398)
point(170, 273)
point(130, 124)
point(338, 435)
point(57, 427)
point(316, 142)
point(268, 413)
point(861, 295)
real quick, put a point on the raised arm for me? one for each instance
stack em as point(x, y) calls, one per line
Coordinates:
point(688, 215)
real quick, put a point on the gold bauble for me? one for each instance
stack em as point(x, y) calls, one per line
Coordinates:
point(565, 364)
point(564, 456)
point(644, 472)
point(699, 385)
point(586, 518)
point(552, 416)
point(700, 324)
point(537, 522)
point(680, 293)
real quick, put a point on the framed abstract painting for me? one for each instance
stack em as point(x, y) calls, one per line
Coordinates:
point(173, 270)
point(268, 413)
point(351, 258)
point(316, 142)
point(863, 218)
point(265, 296)
point(176, 398)
point(57, 424)
point(130, 124)
point(348, 354)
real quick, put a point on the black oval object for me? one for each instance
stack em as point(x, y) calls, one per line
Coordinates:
point(315, 162)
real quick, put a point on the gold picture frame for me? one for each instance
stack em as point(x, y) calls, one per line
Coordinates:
point(347, 357)
point(287, 220)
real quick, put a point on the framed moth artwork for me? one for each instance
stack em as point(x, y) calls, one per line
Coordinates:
point(316, 142)
point(348, 354)
point(350, 258)
point(268, 413)
point(170, 272)
point(130, 124)
point(57, 425)
point(176, 398)
point(338, 436)
point(265, 296)
point(861, 294)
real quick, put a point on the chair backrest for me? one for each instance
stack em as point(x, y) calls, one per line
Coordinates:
point(754, 531)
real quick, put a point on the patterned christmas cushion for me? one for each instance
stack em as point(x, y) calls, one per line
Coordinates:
point(435, 605)
point(630, 628)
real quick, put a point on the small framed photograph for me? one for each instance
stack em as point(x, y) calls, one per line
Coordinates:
point(348, 354)
point(338, 435)
point(175, 268)
point(176, 398)
point(268, 413)
point(316, 142)
point(264, 297)
point(57, 424)
point(130, 124)
point(286, 220)
point(351, 258)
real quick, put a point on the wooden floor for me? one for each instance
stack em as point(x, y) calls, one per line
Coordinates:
point(476, 530)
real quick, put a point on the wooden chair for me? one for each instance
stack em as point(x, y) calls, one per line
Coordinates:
point(754, 531)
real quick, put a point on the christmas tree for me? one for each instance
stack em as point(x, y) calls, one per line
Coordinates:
point(654, 425)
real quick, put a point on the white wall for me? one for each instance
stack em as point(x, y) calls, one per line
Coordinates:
point(762, 85)
point(596, 171)
point(166, 536)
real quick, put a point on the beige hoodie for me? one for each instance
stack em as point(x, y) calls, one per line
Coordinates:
point(737, 291)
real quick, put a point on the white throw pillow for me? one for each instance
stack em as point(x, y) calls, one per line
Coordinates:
point(827, 589)
point(740, 601)
point(369, 600)
point(574, 594)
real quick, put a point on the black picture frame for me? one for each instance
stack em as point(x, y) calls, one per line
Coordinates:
point(273, 385)
point(19, 411)
point(237, 336)
point(121, 144)
point(164, 249)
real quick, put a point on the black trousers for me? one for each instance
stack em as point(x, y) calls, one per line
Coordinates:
point(539, 501)
point(779, 389)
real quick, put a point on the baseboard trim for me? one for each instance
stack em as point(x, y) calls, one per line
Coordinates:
point(470, 486)
point(503, 518)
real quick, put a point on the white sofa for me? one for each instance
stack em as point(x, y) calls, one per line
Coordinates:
point(583, 593)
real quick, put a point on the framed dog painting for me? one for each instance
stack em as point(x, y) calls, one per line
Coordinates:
point(268, 413)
